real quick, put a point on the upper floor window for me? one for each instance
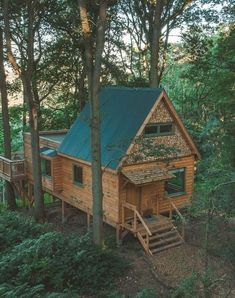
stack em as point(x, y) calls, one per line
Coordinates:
point(77, 175)
point(46, 167)
point(159, 129)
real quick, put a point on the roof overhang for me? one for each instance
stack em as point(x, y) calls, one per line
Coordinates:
point(49, 152)
point(145, 176)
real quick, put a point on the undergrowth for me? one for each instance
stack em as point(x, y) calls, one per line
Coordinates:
point(38, 262)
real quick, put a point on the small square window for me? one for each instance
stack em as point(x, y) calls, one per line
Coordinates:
point(46, 167)
point(78, 175)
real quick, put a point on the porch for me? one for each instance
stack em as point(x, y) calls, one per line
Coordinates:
point(141, 210)
point(12, 169)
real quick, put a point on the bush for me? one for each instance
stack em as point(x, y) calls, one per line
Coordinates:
point(50, 262)
point(14, 228)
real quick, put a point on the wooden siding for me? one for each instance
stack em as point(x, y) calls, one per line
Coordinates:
point(81, 196)
point(151, 193)
point(55, 182)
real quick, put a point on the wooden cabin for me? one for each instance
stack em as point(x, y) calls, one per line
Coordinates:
point(148, 162)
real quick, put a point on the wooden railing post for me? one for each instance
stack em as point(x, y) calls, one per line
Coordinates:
point(170, 210)
point(147, 241)
point(135, 222)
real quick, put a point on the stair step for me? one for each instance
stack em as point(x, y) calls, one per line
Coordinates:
point(157, 228)
point(162, 235)
point(156, 250)
point(163, 241)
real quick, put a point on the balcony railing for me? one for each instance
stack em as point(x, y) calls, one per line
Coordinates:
point(11, 170)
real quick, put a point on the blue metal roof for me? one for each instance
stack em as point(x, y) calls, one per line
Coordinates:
point(123, 111)
point(54, 137)
point(48, 151)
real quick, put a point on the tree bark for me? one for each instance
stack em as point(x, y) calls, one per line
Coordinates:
point(9, 190)
point(155, 45)
point(93, 62)
point(27, 77)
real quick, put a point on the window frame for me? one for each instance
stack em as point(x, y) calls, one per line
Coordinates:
point(77, 183)
point(158, 126)
point(43, 166)
point(179, 193)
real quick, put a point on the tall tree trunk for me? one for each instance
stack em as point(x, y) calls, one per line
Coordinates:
point(93, 63)
point(95, 130)
point(27, 77)
point(155, 44)
point(9, 190)
point(35, 149)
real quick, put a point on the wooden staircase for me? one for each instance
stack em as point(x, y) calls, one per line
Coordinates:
point(155, 234)
point(163, 236)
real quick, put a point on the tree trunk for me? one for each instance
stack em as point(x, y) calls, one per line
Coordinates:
point(39, 212)
point(94, 73)
point(155, 45)
point(9, 190)
point(27, 78)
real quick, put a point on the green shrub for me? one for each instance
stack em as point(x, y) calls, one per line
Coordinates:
point(146, 293)
point(51, 263)
point(14, 228)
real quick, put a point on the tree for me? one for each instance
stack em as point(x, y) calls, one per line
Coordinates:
point(27, 73)
point(93, 53)
point(10, 195)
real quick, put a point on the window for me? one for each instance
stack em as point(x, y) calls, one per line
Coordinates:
point(46, 167)
point(159, 129)
point(78, 175)
point(176, 185)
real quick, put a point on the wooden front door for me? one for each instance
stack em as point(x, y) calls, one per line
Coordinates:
point(132, 197)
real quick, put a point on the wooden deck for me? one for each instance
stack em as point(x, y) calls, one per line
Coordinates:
point(12, 170)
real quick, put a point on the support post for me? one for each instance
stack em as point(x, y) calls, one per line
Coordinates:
point(170, 211)
point(88, 220)
point(63, 211)
point(118, 234)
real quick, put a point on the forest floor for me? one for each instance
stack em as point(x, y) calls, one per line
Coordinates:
point(165, 271)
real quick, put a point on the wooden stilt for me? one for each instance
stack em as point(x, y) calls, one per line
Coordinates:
point(118, 235)
point(63, 211)
point(88, 220)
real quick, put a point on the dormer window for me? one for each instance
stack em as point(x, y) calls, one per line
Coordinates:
point(159, 129)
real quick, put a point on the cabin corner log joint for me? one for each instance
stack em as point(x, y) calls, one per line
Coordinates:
point(148, 161)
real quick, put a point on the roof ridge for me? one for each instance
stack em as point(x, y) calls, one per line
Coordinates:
point(132, 88)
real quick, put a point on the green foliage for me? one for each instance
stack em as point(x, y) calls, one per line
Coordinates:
point(36, 261)
point(146, 293)
point(188, 288)
point(14, 229)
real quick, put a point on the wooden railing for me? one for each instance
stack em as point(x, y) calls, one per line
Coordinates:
point(134, 223)
point(11, 169)
point(173, 207)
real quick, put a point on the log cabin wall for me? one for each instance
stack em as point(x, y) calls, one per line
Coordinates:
point(55, 182)
point(62, 183)
point(152, 192)
point(80, 196)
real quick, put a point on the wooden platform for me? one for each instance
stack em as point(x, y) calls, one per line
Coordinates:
point(12, 170)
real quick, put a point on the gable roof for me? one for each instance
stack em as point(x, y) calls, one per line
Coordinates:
point(123, 110)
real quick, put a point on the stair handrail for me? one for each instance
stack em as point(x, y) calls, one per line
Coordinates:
point(182, 218)
point(137, 214)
